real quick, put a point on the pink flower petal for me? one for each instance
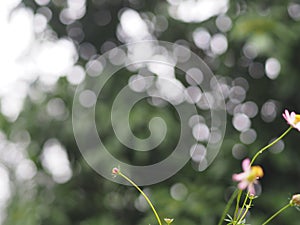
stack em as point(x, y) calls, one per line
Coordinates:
point(251, 189)
point(246, 164)
point(285, 114)
point(289, 117)
point(243, 184)
point(239, 177)
point(297, 126)
point(292, 115)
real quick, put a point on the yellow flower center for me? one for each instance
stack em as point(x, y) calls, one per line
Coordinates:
point(256, 172)
point(297, 119)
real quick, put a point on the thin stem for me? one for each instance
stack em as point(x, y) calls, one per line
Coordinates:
point(246, 210)
point(227, 207)
point(145, 196)
point(277, 213)
point(269, 145)
point(243, 206)
point(237, 204)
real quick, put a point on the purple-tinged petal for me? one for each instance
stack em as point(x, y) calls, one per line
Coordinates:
point(243, 184)
point(285, 114)
point(251, 189)
point(239, 177)
point(246, 164)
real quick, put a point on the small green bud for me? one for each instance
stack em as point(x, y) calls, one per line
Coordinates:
point(168, 220)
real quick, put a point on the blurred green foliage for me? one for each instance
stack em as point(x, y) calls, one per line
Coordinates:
point(89, 199)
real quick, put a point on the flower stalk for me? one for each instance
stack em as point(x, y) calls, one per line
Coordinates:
point(229, 203)
point(270, 145)
point(237, 204)
point(245, 208)
point(116, 171)
point(277, 213)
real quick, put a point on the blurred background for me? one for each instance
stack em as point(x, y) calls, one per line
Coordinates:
point(46, 45)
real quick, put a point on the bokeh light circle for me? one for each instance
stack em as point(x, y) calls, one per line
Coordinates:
point(157, 56)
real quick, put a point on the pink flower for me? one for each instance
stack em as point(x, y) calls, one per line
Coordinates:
point(249, 177)
point(115, 171)
point(293, 119)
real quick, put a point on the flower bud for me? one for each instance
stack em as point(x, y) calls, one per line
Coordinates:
point(295, 200)
point(115, 171)
point(168, 220)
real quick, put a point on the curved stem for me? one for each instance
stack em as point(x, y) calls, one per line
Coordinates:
point(227, 207)
point(145, 196)
point(277, 213)
point(269, 145)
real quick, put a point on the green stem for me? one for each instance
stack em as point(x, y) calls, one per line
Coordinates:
point(243, 206)
point(227, 207)
point(277, 213)
point(145, 196)
point(237, 204)
point(246, 210)
point(269, 145)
